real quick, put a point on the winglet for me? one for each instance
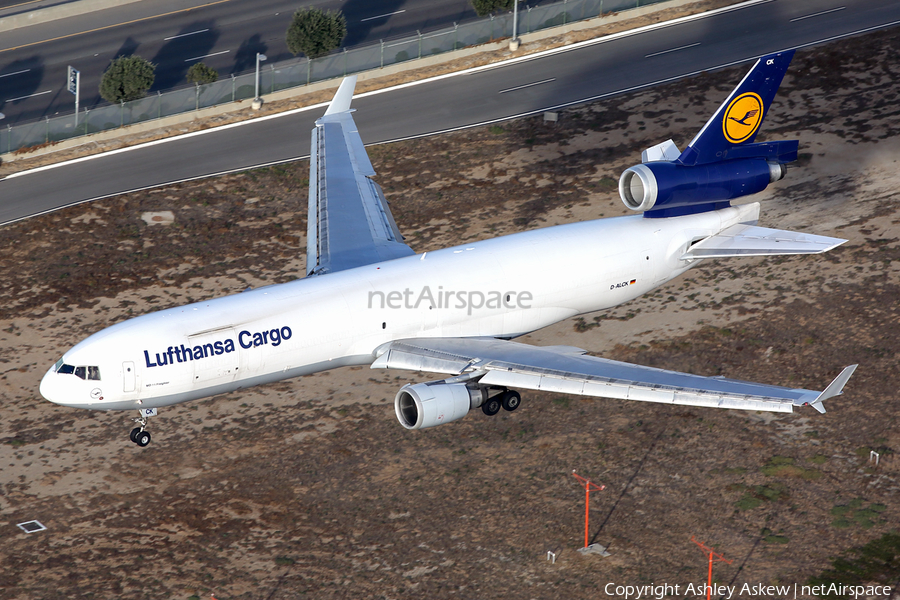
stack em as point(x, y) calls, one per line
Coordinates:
point(341, 101)
point(835, 388)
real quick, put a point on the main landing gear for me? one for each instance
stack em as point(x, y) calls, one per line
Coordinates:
point(507, 399)
point(139, 435)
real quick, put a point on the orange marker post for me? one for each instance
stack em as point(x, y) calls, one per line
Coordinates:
point(588, 486)
point(713, 557)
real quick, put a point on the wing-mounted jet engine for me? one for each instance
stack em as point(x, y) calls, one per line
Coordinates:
point(721, 163)
point(437, 402)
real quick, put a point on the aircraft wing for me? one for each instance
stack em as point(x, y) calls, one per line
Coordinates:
point(350, 224)
point(749, 240)
point(569, 370)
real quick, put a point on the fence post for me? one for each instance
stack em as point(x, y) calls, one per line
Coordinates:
point(121, 113)
point(8, 139)
point(272, 86)
point(158, 104)
point(565, 14)
point(382, 53)
point(197, 96)
point(528, 19)
point(455, 36)
point(583, 8)
point(47, 130)
point(345, 62)
point(419, 33)
point(232, 87)
point(308, 70)
point(492, 28)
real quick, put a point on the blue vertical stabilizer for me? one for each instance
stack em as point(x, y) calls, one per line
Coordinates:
point(737, 121)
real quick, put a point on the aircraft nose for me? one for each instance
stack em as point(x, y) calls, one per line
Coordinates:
point(50, 387)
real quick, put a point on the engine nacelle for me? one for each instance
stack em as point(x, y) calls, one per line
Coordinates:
point(664, 185)
point(435, 403)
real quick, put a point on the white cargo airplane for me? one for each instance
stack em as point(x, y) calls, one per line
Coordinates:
point(369, 299)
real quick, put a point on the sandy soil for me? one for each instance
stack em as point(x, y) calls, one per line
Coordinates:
point(309, 487)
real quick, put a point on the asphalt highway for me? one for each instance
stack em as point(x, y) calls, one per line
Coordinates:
point(555, 80)
point(174, 34)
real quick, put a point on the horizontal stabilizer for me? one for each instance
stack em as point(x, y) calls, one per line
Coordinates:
point(749, 240)
point(664, 151)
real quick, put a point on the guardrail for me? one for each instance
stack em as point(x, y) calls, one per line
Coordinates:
point(303, 71)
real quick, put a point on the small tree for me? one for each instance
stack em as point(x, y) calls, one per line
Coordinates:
point(315, 32)
point(486, 7)
point(127, 78)
point(202, 73)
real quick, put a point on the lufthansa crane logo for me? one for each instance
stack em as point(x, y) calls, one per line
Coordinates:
point(742, 117)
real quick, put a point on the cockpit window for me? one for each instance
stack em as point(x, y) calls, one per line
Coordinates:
point(89, 373)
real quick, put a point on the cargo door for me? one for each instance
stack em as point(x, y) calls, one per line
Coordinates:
point(128, 376)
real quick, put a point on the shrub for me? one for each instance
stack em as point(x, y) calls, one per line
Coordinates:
point(486, 7)
point(127, 78)
point(202, 73)
point(315, 32)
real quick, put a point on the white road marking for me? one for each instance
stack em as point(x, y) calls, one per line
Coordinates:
point(185, 34)
point(527, 85)
point(382, 16)
point(207, 55)
point(29, 96)
point(824, 12)
point(16, 73)
point(671, 50)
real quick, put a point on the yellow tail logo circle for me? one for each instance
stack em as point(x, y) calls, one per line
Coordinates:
point(742, 117)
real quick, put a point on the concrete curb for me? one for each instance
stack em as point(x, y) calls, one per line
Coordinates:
point(501, 48)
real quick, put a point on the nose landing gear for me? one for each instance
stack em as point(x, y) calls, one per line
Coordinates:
point(139, 435)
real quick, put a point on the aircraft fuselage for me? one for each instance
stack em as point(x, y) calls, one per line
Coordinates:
point(502, 287)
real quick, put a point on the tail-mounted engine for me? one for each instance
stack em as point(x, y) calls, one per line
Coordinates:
point(665, 186)
point(722, 162)
point(658, 186)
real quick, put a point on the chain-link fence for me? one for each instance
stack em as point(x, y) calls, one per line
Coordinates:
point(300, 72)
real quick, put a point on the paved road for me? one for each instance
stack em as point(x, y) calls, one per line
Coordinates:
point(13, 7)
point(225, 34)
point(555, 80)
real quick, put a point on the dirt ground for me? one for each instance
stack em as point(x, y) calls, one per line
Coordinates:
point(309, 488)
